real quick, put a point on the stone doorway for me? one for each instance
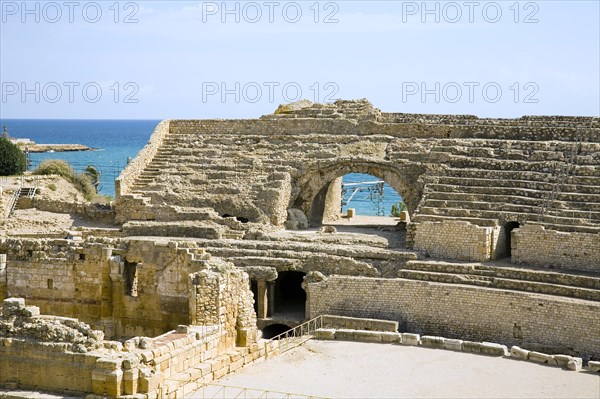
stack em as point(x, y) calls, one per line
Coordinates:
point(289, 296)
point(508, 228)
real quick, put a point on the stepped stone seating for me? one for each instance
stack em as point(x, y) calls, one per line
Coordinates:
point(230, 178)
point(354, 258)
point(483, 178)
point(507, 278)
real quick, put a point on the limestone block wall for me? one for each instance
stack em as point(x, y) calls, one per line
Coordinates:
point(559, 325)
point(39, 351)
point(56, 353)
point(160, 272)
point(125, 288)
point(533, 244)
point(355, 323)
point(224, 298)
point(143, 158)
point(454, 239)
point(58, 277)
point(45, 366)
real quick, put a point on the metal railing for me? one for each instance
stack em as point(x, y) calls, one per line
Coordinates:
point(214, 391)
point(293, 337)
point(15, 200)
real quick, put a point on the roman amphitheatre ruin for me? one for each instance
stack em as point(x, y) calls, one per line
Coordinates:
point(226, 233)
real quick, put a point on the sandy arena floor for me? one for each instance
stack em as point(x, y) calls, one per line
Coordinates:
point(359, 370)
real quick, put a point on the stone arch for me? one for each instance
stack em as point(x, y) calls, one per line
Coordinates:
point(315, 183)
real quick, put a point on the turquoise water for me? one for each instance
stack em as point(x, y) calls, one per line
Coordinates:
point(117, 140)
point(369, 199)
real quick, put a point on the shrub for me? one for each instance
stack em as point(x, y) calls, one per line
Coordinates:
point(62, 168)
point(12, 159)
point(398, 208)
point(55, 167)
point(52, 187)
point(83, 184)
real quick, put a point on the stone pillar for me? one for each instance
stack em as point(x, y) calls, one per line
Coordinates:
point(271, 298)
point(333, 201)
point(107, 377)
point(262, 300)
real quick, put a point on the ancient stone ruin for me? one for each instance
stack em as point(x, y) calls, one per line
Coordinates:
point(219, 246)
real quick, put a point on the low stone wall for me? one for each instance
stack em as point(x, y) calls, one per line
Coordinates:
point(86, 210)
point(32, 365)
point(56, 353)
point(558, 325)
point(454, 239)
point(534, 245)
point(143, 158)
point(401, 125)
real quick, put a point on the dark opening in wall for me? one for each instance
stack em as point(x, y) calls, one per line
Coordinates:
point(508, 228)
point(81, 256)
point(240, 219)
point(290, 297)
point(274, 330)
point(130, 276)
point(50, 283)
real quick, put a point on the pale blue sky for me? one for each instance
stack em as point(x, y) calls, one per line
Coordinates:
point(379, 50)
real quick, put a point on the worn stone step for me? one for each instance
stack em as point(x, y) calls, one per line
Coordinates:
point(516, 273)
point(503, 284)
point(491, 214)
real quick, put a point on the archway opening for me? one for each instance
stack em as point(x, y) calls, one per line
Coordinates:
point(358, 199)
point(274, 330)
point(508, 228)
point(290, 297)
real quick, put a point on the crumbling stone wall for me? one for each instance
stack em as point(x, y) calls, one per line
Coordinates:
point(59, 276)
point(46, 352)
point(123, 287)
point(532, 321)
point(534, 245)
point(96, 212)
point(224, 297)
point(62, 354)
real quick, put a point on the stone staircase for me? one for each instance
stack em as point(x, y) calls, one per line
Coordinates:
point(20, 194)
point(193, 170)
point(503, 277)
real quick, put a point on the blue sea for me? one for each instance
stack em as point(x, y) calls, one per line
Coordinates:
point(117, 140)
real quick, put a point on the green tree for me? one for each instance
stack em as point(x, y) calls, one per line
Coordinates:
point(93, 175)
point(12, 159)
point(398, 208)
